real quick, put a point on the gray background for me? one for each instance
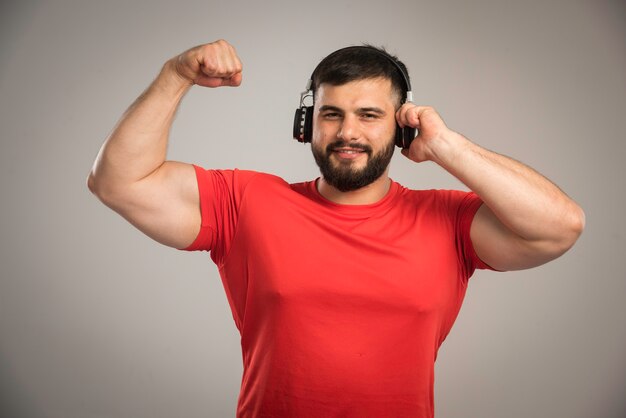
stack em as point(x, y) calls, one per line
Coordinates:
point(98, 321)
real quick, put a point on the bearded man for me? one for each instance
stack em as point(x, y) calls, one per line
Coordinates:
point(344, 287)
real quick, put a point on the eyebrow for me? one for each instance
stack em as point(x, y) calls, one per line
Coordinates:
point(326, 108)
point(331, 108)
point(377, 110)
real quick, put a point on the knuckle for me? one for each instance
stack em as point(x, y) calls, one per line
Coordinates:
point(211, 66)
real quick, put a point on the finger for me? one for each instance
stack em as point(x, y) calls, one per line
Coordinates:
point(206, 81)
point(400, 115)
point(228, 62)
point(413, 117)
point(220, 68)
point(235, 80)
point(399, 118)
point(403, 114)
point(229, 71)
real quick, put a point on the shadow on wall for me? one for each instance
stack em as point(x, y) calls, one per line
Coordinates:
point(14, 17)
point(14, 399)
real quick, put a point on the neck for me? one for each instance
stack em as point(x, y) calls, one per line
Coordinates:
point(367, 195)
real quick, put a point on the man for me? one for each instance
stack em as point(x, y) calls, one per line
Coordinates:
point(342, 288)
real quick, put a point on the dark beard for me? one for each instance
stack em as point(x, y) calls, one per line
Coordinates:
point(342, 176)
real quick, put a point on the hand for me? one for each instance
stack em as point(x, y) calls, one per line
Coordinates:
point(432, 130)
point(210, 65)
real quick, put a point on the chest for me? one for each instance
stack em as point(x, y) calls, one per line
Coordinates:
point(398, 261)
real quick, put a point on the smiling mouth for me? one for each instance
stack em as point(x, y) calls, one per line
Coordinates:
point(348, 150)
point(348, 154)
point(351, 151)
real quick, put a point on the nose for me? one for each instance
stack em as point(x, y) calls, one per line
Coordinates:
point(349, 129)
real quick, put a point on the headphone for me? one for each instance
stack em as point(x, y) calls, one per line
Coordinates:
point(303, 119)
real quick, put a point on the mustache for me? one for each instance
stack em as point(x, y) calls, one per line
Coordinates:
point(345, 144)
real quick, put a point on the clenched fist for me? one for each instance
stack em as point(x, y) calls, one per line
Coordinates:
point(210, 65)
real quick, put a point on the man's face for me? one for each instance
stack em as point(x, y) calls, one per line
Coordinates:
point(353, 132)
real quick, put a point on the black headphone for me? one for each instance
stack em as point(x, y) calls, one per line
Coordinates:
point(303, 120)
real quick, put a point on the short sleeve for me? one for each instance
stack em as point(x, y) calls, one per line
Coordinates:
point(467, 209)
point(221, 193)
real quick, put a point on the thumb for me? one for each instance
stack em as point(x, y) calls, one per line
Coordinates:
point(234, 81)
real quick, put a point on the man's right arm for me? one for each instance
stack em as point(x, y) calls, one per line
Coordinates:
point(131, 174)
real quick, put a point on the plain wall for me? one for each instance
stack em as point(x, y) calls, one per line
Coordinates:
point(96, 320)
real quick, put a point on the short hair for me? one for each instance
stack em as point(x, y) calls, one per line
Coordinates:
point(361, 63)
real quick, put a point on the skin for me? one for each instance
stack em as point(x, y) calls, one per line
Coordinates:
point(360, 112)
point(526, 220)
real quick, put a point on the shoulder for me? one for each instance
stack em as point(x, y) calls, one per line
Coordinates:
point(260, 180)
point(236, 176)
point(441, 202)
point(437, 197)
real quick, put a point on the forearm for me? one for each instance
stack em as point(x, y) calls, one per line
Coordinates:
point(138, 144)
point(523, 200)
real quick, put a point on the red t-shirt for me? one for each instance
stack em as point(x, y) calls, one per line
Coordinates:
point(341, 308)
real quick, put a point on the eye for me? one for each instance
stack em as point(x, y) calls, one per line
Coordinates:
point(331, 115)
point(369, 116)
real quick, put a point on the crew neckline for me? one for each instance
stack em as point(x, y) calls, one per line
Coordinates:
point(352, 209)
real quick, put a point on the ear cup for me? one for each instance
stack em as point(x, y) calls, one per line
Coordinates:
point(404, 136)
point(303, 124)
point(409, 136)
point(298, 125)
point(399, 139)
point(308, 124)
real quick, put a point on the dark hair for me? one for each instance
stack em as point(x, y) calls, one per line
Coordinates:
point(360, 63)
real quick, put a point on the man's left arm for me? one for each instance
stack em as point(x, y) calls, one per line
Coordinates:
point(526, 220)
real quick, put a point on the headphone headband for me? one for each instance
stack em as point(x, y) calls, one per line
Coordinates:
point(405, 77)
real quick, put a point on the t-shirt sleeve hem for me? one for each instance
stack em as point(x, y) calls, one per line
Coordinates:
point(474, 203)
point(203, 239)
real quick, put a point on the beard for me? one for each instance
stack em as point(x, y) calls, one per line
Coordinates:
point(342, 176)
